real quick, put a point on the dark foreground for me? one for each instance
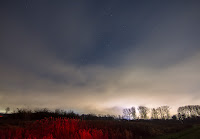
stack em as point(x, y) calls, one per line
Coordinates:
point(62, 128)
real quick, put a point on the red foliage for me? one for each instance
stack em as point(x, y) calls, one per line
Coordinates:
point(54, 128)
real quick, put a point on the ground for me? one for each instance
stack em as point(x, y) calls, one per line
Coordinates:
point(191, 133)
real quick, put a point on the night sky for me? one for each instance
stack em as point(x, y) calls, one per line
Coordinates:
point(99, 56)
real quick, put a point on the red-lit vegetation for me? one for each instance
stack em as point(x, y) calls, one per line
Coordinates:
point(61, 125)
point(62, 128)
point(51, 128)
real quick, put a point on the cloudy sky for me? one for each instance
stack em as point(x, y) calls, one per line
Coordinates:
point(99, 56)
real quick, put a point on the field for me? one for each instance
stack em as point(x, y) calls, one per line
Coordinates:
point(62, 128)
point(191, 133)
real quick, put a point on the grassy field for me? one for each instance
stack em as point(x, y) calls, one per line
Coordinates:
point(191, 133)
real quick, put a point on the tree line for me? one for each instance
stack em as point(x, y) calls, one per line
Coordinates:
point(162, 112)
point(38, 114)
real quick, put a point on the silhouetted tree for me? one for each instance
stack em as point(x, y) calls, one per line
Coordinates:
point(163, 112)
point(133, 112)
point(189, 111)
point(166, 112)
point(143, 112)
point(160, 113)
point(127, 113)
point(154, 114)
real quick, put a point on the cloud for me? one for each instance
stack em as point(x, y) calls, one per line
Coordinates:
point(104, 88)
point(160, 68)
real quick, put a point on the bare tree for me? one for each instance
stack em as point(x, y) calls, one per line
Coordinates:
point(127, 113)
point(133, 112)
point(189, 111)
point(143, 112)
point(154, 114)
point(166, 111)
point(163, 112)
point(160, 112)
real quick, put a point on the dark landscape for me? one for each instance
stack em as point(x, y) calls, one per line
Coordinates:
point(46, 124)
